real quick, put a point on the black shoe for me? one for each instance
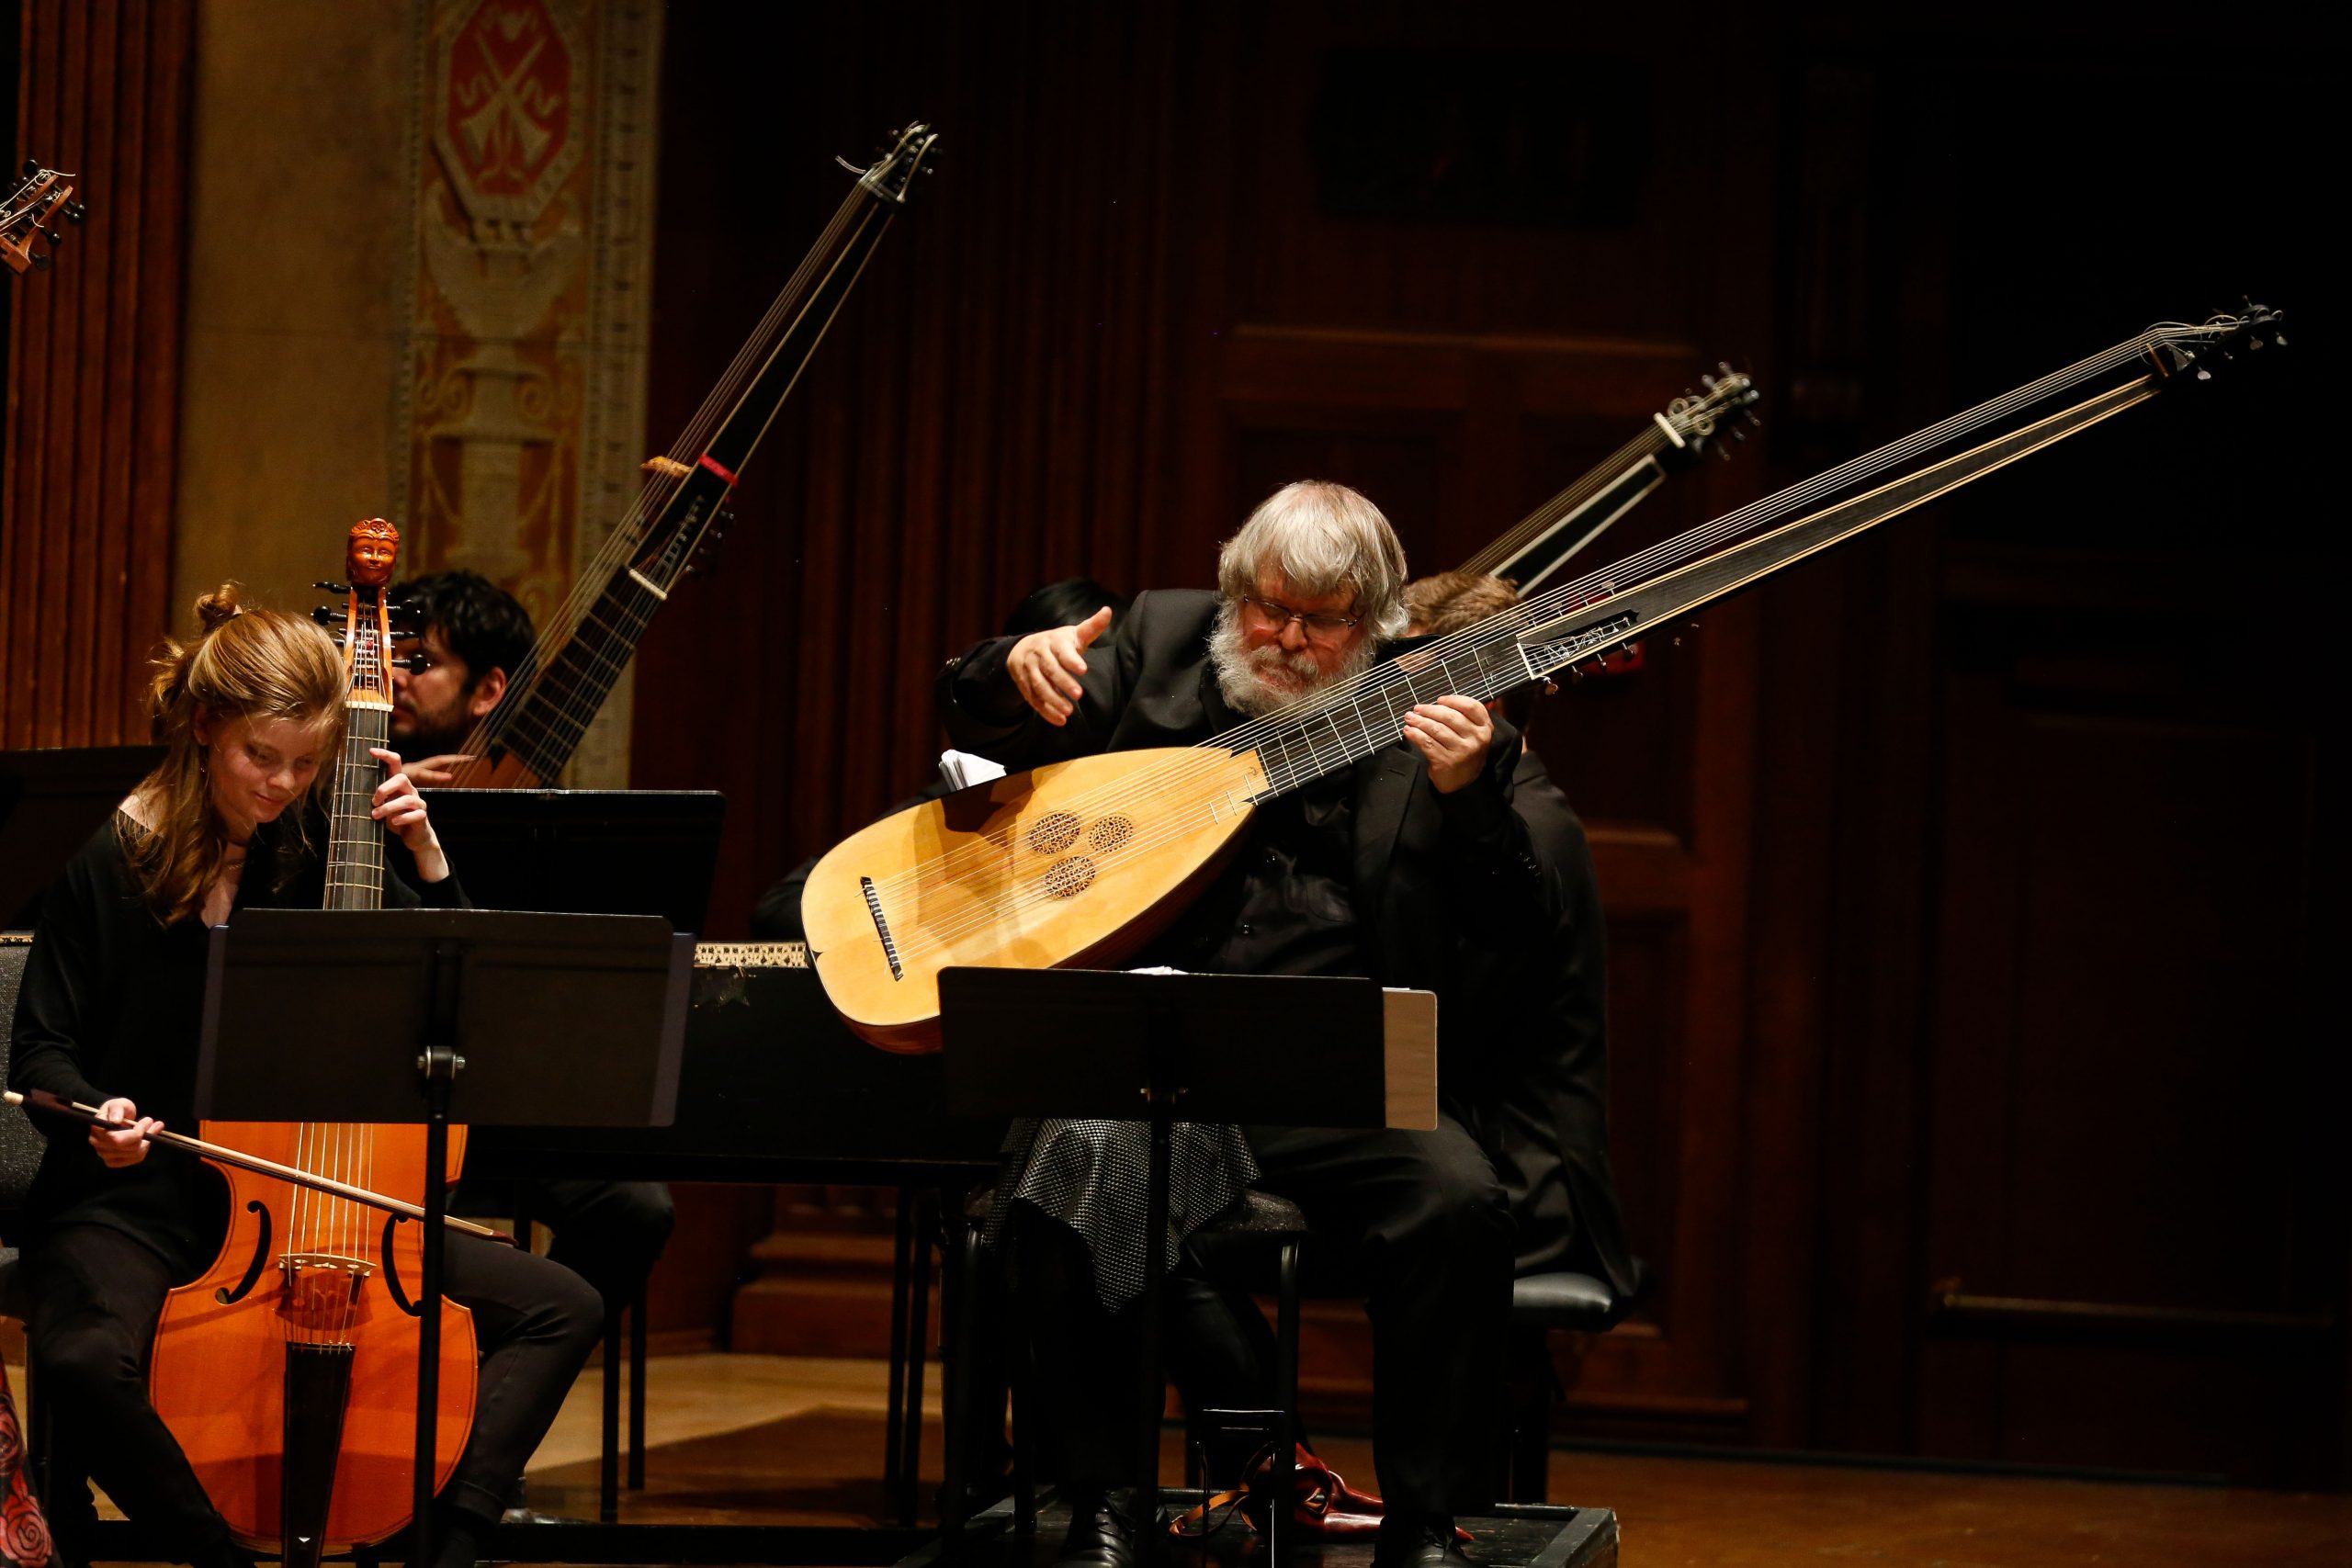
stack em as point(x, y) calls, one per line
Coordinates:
point(1425, 1542)
point(1102, 1534)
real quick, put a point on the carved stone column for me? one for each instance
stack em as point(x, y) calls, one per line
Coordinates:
point(522, 398)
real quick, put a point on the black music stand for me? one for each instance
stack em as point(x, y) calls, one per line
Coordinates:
point(52, 800)
point(444, 990)
point(585, 852)
point(1273, 1050)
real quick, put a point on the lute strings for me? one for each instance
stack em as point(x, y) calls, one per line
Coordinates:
point(1294, 721)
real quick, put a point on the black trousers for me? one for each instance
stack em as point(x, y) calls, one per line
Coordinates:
point(609, 1232)
point(1418, 1222)
point(96, 1295)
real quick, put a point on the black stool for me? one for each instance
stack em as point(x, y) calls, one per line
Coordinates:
point(608, 1499)
point(608, 1467)
point(1263, 1217)
point(1255, 1215)
point(1541, 1305)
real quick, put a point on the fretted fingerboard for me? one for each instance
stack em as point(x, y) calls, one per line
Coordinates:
point(355, 840)
point(544, 725)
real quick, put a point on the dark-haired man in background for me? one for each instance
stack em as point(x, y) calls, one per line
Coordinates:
point(471, 634)
point(468, 632)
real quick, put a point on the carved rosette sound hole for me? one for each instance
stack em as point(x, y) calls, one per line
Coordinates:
point(1109, 833)
point(1050, 835)
point(1069, 878)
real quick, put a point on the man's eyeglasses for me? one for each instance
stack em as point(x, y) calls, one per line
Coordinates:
point(1327, 628)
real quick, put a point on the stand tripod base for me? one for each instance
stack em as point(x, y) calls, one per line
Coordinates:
point(1513, 1536)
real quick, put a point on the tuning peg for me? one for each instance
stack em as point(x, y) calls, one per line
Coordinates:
point(327, 615)
point(75, 211)
point(52, 234)
point(32, 167)
point(1708, 382)
point(332, 587)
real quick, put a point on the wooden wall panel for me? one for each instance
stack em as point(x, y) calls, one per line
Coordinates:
point(2116, 1016)
point(92, 373)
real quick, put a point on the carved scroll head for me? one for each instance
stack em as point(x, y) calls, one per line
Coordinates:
point(374, 546)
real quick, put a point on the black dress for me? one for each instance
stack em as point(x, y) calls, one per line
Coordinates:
point(111, 1005)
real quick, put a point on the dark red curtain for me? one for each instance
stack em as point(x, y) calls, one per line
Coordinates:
point(85, 512)
point(1003, 401)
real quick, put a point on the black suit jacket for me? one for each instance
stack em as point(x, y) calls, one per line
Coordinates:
point(1441, 881)
point(1547, 1098)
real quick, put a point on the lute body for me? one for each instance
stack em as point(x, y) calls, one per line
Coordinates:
point(1073, 864)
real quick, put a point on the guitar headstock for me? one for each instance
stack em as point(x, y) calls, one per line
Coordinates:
point(362, 624)
point(1721, 406)
point(32, 213)
point(2214, 341)
point(889, 176)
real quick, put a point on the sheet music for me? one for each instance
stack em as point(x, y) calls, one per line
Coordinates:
point(962, 768)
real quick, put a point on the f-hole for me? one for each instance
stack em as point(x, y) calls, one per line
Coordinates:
point(392, 1273)
point(253, 1270)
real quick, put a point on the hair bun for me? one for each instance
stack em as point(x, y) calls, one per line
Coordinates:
point(218, 606)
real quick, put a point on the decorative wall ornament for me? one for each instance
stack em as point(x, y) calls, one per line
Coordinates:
point(520, 409)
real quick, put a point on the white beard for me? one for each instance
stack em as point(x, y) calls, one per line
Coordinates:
point(1250, 679)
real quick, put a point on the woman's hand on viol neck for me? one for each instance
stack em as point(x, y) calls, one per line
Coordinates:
point(401, 811)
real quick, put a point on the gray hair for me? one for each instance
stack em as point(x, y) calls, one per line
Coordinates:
point(1324, 537)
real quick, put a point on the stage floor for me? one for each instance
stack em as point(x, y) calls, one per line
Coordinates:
point(757, 1439)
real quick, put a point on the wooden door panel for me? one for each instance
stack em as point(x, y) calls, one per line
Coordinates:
point(2119, 1046)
